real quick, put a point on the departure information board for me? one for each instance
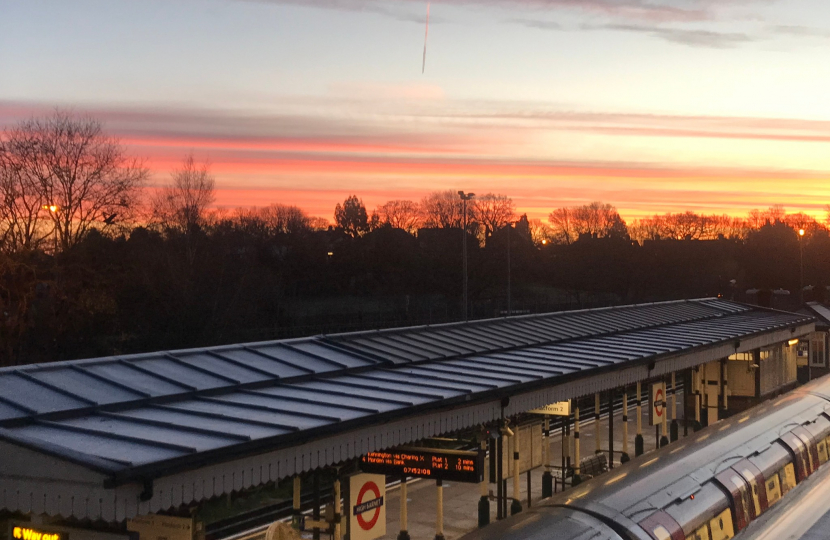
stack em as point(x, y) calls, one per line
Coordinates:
point(456, 465)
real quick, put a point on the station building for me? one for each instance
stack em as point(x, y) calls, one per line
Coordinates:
point(109, 445)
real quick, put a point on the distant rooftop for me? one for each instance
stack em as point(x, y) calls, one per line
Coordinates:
point(819, 311)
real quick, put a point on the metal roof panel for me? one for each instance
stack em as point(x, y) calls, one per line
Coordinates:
point(109, 426)
point(123, 373)
point(21, 391)
point(101, 446)
point(234, 427)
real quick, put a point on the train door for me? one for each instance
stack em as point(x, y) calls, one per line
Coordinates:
point(757, 485)
point(801, 456)
point(787, 477)
point(773, 489)
point(738, 490)
point(812, 449)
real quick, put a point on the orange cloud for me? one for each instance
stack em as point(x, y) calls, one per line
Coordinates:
point(315, 160)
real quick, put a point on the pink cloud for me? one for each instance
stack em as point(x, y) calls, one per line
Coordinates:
point(316, 160)
point(689, 10)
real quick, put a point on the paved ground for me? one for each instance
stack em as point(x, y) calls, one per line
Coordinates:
point(461, 500)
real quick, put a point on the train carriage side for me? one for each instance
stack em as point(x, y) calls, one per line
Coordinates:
point(743, 491)
point(709, 486)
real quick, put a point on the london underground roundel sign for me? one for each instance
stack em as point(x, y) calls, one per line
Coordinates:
point(367, 518)
point(658, 403)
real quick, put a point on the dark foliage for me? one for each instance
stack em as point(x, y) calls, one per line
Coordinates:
point(142, 292)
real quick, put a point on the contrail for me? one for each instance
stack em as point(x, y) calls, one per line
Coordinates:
point(424, 65)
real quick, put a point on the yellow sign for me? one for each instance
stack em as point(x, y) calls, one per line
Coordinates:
point(155, 527)
point(25, 533)
point(560, 408)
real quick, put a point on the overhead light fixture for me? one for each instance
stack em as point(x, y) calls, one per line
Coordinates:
point(792, 342)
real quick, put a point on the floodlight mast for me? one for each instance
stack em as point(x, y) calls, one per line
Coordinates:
point(464, 198)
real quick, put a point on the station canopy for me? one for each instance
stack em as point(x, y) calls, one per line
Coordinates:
point(114, 437)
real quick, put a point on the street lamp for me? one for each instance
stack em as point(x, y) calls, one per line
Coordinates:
point(464, 199)
point(54, 209)
point(509, 274)
point(801, 267)
point(509, 271)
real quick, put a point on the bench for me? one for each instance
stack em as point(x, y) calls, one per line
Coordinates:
point(593, 465)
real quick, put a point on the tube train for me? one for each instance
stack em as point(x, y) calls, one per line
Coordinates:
point(708, 486)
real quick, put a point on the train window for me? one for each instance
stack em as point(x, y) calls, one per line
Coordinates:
point(787, 477)
point(721, 526)
point(773, 490)
point(661, 533)
point(701, 534)
point(822, 451)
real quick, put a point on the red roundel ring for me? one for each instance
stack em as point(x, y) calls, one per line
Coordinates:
point(367, 525)
point(658, 406)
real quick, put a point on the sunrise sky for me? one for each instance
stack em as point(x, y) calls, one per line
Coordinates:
point(654, 106)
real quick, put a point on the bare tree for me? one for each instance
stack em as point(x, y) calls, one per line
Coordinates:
point(400, 214)
point(540, 233)
point(775, 213)
point(68, 166)
point(598, 220)
point(755, 219)
point(21, 199)
point(82, 176)
point(800, 220)
point(284, 218)
point(317, 223)
point(739, 229)
point(647, 229)
point(562, 227)
point(494, 212)
point(444, 209)
point(182, 205)
point(685, 226)
point(273, 219)
point(725, 226)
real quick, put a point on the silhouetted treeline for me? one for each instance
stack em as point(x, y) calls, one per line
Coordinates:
point(149, 290)
point(106, 272)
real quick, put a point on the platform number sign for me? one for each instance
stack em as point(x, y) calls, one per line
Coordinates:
point(367, 506)
point(658, 403)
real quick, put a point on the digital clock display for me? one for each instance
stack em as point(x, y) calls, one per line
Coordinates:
point(457, 465)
